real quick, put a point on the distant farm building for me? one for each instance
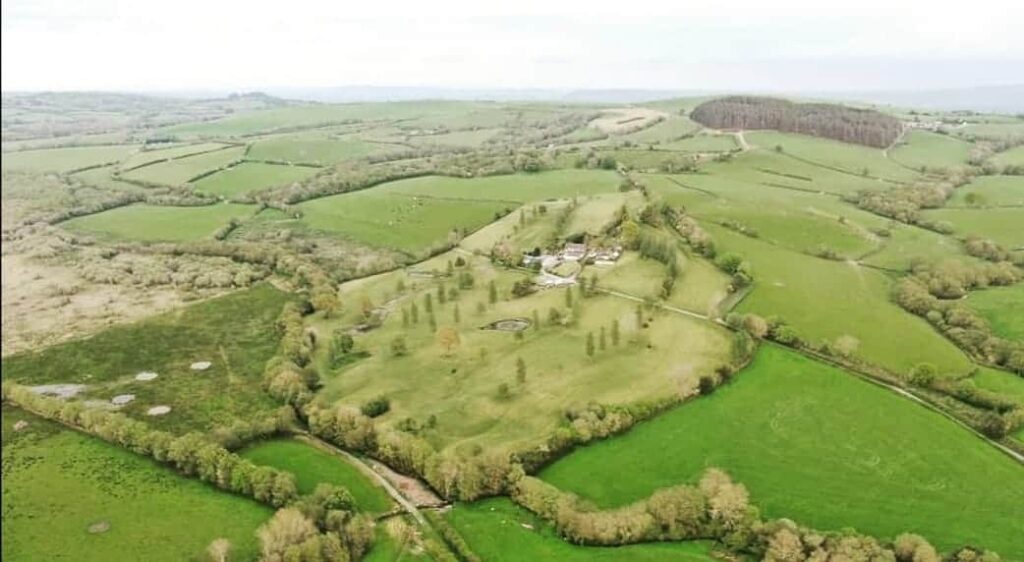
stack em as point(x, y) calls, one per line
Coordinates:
point(574, 252)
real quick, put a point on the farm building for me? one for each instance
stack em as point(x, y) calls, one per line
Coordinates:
point(574, 252)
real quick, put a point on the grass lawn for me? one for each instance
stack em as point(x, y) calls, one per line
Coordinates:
point(670, 129)
point(824, 448)
point(991, 191)
point(57, 483)
point(1003, 307)
point(825, 299)
point(251, 176)
point(64, 159)
point(700, 287)
point(495, 532)
point(148, 223)
point(183, 170)
point(851, 158)
point(907, 244)
point(390, 219)
point(461, 390)
point(924, 149)
point(542, 186)
point(234, 332)
point(312, 466)
point(632, 274)
point(1004, 226)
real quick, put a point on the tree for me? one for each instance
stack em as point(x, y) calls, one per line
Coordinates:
point(286, 529)
point(755, 325)
point(324, 300)
point(415, 313)
point(480, 308)
point(375, 407)
point(492, 292)
point(448, 339)
point(432, 322)
point(405, 318)
point(554, 317)
point(503, 392)
point(219, 550)
point(923, 374)
point(707, 385)
point(520, 370)
point(568, 297)
point(398, 347)
point(428, 303)
point(341, 345)
point(456, 315)
point(442, 295)
point(615, 331)
point(602, 342)
point(590, 344)
point(630, 233)
point(536, 320)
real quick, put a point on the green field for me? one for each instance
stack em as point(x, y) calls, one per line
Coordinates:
point(923, 149)
point(495, 531)
point(670, 129)
point(702, 143)
point(389, 219)
point(825, 299)
point(1007, 384)
point(251, 176)
point(1003, 307)
point(148, 223)
point(1012, 157)
point(556, 184)
point(1001, 225)
point(312, 466)
point(234, 332)
point(851, 158)
point(472, 138)
point(183, 170)
point(64, 159)
point(144, 157)
point(819, 446)
point(461, 390)
point(992, 191)
point(57, 483)
point(312, 150)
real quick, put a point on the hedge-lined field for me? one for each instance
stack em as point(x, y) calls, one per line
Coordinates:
point(149, 223)
point(822, 447)
point(251, 176)
point(64, 159)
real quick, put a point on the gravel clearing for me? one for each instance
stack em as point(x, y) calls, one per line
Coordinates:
point(158, 411)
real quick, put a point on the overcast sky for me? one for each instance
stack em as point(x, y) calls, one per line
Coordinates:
point(792, 45)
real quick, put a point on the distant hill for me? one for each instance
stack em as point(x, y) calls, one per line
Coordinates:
point(996, 99)
point(838, 122)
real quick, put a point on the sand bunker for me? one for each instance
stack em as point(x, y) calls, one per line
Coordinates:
point(158, 410)
point(509, 325)
point(200, 365)
point(122, 399)
point(58, 390)
point(146, 376)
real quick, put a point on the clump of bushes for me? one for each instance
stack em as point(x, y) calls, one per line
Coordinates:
point(376, 407)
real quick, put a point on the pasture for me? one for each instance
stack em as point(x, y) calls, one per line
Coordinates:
point(312, 466)
point(308, 149)
point(990, 191)
point(800, 435)
point(183, 170)
point(1012, 157)
point(63, 160)
point(459, 389)
point(398, 221)
point(58, 483)
point(557, 184)
point(500, 531)
point(146, 157)
point(672, 128)
point(1002, 225)
point(1003, 308)
point(243, 178)
point(927, 150)
point(149, 223)
point(849, 158)
point(702, 143)
point(825, 300)
point(234, 332)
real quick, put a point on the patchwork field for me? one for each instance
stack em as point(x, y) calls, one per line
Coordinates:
point(499, 530)
point(312, 466)
point(235, 333)
point(796, 433)
point(557, 184)
point(57, 484)
point(183, 170)
point(145, 157)
point(251, 176)
point(312, 150)
point(148, 223)
point(59, 160)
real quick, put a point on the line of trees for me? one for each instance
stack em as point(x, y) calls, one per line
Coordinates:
point(838, 122)
point(191, 454)
point(719, 509)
